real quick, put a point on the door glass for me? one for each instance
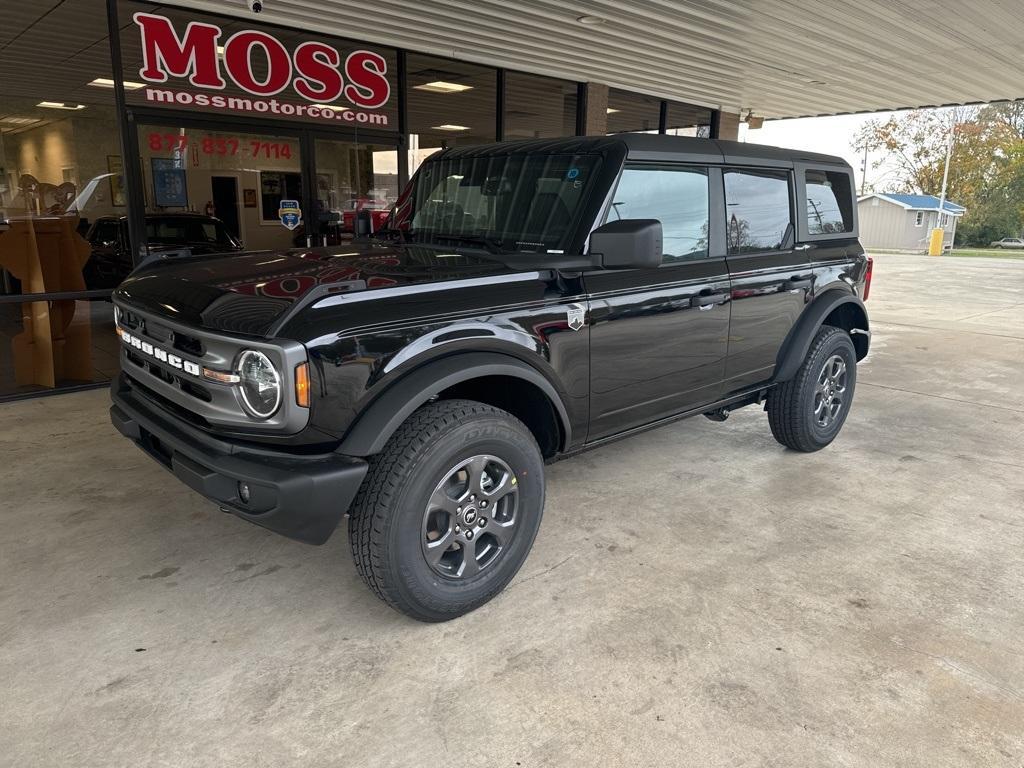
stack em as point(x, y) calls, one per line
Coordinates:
point(356, 187)
point(60, 174)
point(829, 202)
point(217, 191)
point(677, 197)
point(757, 210)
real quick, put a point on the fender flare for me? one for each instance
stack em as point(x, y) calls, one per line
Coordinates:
point(794, 350)
point(385, 414)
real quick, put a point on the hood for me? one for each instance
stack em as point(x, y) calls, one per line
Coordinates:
point(252, 293)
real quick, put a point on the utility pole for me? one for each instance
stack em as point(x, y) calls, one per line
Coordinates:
point(817, 214)
point(939, 233)
point(864, 172)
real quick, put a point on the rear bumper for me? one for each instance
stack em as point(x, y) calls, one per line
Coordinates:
point(301, 497)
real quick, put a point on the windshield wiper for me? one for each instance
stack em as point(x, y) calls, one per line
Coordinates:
point(402, 235)
point(492, 244)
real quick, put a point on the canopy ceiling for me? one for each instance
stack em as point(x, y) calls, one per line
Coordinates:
point(780, 58)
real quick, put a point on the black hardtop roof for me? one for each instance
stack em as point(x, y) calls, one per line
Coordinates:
point(655, 147)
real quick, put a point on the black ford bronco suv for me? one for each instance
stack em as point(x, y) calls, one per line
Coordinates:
point(526, 301)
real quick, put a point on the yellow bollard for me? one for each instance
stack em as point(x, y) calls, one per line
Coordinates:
point(935, 242)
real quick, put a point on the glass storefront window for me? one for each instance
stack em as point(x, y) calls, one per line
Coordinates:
point(539, 107)
point(233, 177)
point(450, 103)
point(357, 185)
point(60, 173)
point(687, 120)
point(632, 112)
point(59, 344)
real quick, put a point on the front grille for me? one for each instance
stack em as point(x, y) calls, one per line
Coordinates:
point(185, 385)
point(146, 393)
point(165, 360)
point(190, 345)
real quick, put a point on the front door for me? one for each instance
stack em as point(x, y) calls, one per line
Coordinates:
point(659, 336)
point(225, 202)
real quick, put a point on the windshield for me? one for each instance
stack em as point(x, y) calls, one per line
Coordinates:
point(175, 231)
point(509, 203)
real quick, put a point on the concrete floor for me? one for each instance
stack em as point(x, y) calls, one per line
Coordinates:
point(697, 595)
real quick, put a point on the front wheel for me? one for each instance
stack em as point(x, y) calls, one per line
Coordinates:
point(807, 412)
point(449, 510)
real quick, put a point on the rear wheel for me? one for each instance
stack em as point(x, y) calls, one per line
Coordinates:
point(449, 510)
point(807, 412)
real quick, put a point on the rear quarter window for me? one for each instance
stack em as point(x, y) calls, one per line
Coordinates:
point(829, 200)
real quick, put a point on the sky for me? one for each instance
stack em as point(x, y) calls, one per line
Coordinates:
point(828, 135)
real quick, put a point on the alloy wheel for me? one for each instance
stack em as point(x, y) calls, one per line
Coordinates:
point(830, 391)
point(470, 518)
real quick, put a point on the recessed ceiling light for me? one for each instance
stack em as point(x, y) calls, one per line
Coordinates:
point(590, 20)
point(18, 120)
point(106, 82)
point(612, 110)
point(450, 127)
point(440, 86)
point(60, 105)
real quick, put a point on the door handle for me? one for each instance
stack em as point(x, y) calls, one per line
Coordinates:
point(804, 247)
point(796, 282)
point(706, 299)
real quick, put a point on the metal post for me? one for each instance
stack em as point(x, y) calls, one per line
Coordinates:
point(939, 233)
point(131, 162)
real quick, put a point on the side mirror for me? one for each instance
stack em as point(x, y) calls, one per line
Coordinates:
point(627, 244)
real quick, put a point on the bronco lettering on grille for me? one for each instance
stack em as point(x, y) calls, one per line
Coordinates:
point(162, 355)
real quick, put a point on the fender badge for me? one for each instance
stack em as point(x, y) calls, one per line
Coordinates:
point(575, 315)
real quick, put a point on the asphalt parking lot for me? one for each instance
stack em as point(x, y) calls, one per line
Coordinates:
point(697, 595)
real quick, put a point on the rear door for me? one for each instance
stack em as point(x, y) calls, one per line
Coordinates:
point(771, 277)
point(659, 336)
point(827, 223)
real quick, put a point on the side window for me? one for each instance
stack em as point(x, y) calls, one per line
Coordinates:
point(919, 219)
point(757, 210)
point(829, 202)
point(106, 232)
point(677, 197)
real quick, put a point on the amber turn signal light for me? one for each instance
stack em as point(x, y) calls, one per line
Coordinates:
point(302, 385)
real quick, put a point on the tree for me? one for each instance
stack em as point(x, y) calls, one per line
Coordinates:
point(986, 173)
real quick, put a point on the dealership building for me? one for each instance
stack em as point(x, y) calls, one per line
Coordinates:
point(117, 117)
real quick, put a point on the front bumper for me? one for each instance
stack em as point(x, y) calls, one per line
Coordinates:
point(301, 497)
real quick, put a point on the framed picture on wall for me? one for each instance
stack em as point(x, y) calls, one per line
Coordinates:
point(249, 198)
point(170, 187)
point(116, 167)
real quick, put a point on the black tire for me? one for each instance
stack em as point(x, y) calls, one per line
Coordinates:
point(389, 520)
point(793, 406)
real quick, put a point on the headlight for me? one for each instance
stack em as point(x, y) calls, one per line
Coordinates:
point(260, 386)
